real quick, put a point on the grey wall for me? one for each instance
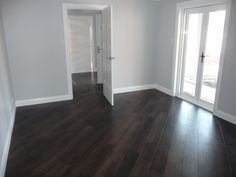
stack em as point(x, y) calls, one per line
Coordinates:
point(35, 41)
point(165, 47)
point(6, 97)
point(135, 29)
point(227, 99)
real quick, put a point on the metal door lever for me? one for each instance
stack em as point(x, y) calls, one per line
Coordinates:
point(202, 57)
point(99, 49)
point(110, 58)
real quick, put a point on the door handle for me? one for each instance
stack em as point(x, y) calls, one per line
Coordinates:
point(99, 49)
point(203, 57)
point(110, 58)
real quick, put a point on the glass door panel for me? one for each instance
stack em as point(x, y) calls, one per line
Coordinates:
point(192, 47)
point(212, 55)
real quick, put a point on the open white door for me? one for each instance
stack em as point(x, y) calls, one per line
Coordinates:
point(107, 54)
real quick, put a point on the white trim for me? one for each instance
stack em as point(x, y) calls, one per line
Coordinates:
point(178, 35)
point(201, 104)
point(36, 101)
point(177, 48)
point(84, 6)
point(163, 89)
point(200, 3)
point(7, 143)
point(133, 88)
point(82, 72)
point(67, 48)
point(225, 116)
point(141, 88)
point(112, 55)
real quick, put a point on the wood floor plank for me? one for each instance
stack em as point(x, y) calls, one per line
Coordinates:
point(146, 134)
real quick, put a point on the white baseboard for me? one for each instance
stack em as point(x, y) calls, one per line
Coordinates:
point(225, 116)
point(3, 162)
point(36, 101)
point(163, 89)
point(143, 87)
point(133, 88)
point(83, 72)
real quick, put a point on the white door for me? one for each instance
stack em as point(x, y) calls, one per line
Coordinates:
point(204, 29)
point(99, 47)
point(107, 54)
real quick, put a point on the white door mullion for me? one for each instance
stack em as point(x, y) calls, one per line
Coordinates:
point(202, 49)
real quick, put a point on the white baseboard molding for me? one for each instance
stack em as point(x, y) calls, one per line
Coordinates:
point(83, 72)
point(36, 101)
point(143, 87)
point(225, 116)
point(3, 162)
point(163, 89)
point(133, 88)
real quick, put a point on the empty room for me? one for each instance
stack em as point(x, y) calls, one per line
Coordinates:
point(117, 88)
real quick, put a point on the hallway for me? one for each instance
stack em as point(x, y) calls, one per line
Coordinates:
point(85, 83)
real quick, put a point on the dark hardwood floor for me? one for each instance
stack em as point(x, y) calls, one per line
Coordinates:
point(85, 83)
point(146, 134)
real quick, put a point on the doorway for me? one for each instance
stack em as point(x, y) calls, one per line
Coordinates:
point(200, 49)
point(81, 34)
point(83, 31)
point(89, 48)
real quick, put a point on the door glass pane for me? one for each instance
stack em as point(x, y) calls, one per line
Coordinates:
point(213, 52)
point(192, 47)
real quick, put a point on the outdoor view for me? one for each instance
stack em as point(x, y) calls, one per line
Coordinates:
point(213, 51)
point(211, 62)
point(192, 53)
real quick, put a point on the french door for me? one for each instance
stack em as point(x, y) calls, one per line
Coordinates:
point(203, 36)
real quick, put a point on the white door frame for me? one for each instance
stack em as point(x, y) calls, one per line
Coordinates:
point(178, 44)
point(75, 6)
